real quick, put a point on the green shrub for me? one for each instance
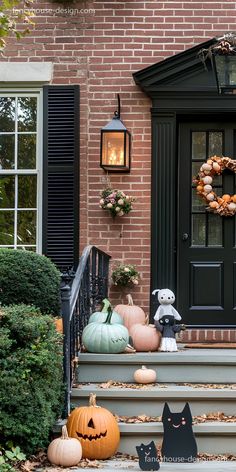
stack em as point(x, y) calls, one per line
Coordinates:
point(26, 277)
point(31, 387)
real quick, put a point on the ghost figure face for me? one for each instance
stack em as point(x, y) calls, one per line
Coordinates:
point(166, 297)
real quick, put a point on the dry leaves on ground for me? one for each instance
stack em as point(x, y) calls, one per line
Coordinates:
point(113, 383)
point(214, 416)
point(210, 386)
point(138, 419)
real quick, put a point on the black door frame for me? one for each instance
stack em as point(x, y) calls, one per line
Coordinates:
point(164, 188)
point(180, 89)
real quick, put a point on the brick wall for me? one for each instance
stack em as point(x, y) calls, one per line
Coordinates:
point(99, 45)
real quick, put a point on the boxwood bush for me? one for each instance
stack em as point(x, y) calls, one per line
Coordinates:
point(31, 386)
point(27, 277)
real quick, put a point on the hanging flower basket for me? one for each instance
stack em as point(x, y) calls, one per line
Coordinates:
point(116, 202)
point(125, 274)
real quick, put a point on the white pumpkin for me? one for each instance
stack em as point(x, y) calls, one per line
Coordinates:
point(145, 375)
point(64, 451)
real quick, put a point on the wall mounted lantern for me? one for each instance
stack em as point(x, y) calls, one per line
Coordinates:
point(115, 145)
point(223, 59)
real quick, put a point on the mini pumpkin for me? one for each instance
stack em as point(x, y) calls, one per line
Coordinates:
point(96, 428)
point(131, 314)
point(100, 316)
point(64, 451)
point(145, 337)
point(145, 375)
point(105, 338)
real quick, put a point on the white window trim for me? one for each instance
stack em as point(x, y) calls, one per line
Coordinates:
point(38, 92)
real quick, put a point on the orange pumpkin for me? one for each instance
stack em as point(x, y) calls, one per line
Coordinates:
point(96, 428)
point(145, 337)
point(131, 314)
point(59, 325)
point(226, 197)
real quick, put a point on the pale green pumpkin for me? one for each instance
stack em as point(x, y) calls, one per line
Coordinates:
point(101, 316)
point(105, 338)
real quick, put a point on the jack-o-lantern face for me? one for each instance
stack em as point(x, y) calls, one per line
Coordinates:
point(96, 428)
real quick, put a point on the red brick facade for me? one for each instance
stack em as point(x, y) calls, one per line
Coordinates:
point(98, 45)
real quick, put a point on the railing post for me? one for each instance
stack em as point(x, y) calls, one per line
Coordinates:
point(65, 309)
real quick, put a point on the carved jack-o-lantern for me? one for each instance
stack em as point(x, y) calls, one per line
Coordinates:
point(96, 428)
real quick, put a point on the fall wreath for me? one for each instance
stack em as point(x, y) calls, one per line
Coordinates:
point(215, 165)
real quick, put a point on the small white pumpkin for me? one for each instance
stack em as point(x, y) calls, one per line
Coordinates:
point(210, 197)
point(64, 451)
point(232, 206)
point(145, 375)
point(207, 180)
point(207, 188)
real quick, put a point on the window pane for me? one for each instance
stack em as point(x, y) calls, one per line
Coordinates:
point(198, 230)
point(196, 168)
point(27, 190)
point(7, 114)
point(26, 151)
point(27, 113)
point(6, 227)
point(215, 143)
point(7, 151)
point(7, 191)
point(199, 145)
point(198, 204)
point(214, 230)
point(26, 227)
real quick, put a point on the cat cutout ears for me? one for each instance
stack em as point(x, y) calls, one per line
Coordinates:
point(147, 455)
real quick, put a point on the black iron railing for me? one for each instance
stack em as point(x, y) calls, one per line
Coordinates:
point(80, 293)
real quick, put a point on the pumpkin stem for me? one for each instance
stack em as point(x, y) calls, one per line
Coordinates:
point(144, 367)
point(130, 300)
point(64, 432)
point(106, 304)
point(92, 399)
point(147, 320)
point(108, 318)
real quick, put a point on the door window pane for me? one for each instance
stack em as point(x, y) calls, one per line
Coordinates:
point(214, 230)
point(199, 145)
point(198, 203)
point(7, 151)
point(6, 227)
point(26, 151)
point(215, 143)
point(7, 191)
point(7, 114)
point(198, 230)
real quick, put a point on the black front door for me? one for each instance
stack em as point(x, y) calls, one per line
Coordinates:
point(206, 255)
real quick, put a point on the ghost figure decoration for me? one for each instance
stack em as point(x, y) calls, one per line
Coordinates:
point(179, 443)
point(147, 456)
point(165, 320)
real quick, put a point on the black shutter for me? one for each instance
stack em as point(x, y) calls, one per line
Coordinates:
point(61, 175)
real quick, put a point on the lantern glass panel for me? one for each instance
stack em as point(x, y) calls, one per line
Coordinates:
point(226, 70)
point(113, 148)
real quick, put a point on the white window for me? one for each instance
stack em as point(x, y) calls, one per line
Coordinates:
point(20, 170)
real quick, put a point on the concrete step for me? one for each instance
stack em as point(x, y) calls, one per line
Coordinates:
point(150, 399)
point(124, 465)
point(212, 437)
point(186, 365)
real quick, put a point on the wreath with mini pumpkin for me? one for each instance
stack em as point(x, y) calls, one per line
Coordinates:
point(215, 165)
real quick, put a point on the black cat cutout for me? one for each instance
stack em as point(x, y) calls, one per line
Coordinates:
point(179, 443)
point(147, 455)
